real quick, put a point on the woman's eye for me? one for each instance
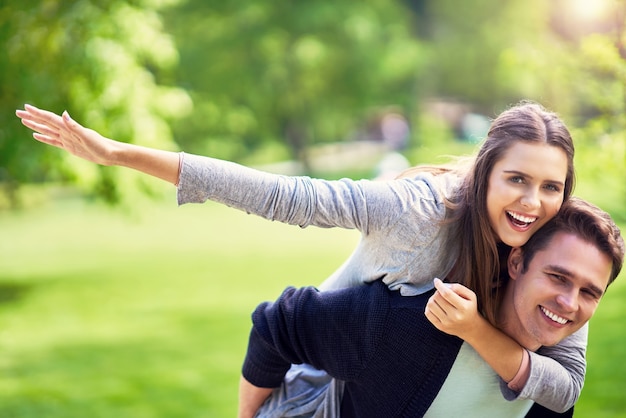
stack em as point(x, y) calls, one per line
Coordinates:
point(517, 179)
point(552, 187)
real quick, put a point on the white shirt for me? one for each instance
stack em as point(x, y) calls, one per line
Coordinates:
point(472, 389)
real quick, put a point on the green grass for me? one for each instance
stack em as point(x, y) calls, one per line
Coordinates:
point(105, 314)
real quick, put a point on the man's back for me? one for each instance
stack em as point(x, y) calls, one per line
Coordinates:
point(392, 359)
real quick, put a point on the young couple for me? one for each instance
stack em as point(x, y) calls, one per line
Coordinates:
point(458, 223)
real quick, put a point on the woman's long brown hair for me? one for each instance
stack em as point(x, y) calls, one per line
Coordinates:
point(478, 264)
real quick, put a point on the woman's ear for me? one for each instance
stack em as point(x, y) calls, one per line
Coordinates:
point(515, 262)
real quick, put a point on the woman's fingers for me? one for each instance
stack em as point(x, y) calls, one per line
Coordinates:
point(451, 291)
point(45, 125)
point(38, 127)
point(48, 140)
point(51, 128)
point(41, 117)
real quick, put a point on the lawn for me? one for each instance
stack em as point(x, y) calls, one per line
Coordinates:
point(105, 313)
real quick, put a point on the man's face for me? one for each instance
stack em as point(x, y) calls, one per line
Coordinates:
point(557, 294)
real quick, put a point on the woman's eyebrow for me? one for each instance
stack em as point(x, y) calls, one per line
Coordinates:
point(523, 174)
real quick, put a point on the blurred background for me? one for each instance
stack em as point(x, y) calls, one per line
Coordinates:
point(116, 303)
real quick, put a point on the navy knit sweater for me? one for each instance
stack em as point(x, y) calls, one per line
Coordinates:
point(379, 342)
point(392, 359)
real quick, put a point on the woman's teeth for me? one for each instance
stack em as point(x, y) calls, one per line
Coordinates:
point(521, 219)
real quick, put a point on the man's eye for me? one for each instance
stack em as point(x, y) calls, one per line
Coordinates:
point(590, 293)
point(558, 277)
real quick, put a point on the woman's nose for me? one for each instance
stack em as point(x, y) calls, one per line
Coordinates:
point(530, 199)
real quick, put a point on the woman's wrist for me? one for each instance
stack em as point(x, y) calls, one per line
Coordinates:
point(520, 379)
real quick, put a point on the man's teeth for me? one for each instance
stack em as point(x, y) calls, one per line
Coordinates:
point(554, 316)
point(525, 219)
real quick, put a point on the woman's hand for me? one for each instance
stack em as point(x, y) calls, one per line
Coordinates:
point(63, 132)
point(453, 309)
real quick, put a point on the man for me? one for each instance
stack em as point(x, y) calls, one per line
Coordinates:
point(395, 363)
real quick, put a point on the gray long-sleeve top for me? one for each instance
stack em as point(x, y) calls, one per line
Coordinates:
point(402, 241)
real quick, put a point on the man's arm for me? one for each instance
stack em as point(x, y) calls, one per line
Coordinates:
point(335, 331)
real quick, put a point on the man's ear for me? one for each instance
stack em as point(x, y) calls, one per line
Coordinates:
point(515, 262)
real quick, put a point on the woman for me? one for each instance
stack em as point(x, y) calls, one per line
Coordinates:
point(446, 223)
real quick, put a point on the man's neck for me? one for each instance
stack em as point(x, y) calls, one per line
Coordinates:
point(509, 322)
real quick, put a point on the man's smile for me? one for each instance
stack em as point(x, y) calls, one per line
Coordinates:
point(554, 317)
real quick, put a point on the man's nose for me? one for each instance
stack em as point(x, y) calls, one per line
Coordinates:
point(568, 300)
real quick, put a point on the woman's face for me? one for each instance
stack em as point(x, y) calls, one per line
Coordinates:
point(525, 190)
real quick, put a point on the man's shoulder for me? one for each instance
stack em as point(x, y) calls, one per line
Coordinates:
point(399, 301)
point(369, 297)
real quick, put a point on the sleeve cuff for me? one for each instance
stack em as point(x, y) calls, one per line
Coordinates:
point(520, 379)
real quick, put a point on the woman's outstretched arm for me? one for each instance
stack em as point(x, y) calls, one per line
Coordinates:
point(63, 132)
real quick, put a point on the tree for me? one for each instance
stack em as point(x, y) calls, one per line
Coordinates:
point(108, 63)
point(597, 79)
point(300, 72)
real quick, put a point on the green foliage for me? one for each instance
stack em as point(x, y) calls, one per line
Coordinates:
point(300, 72)
point(106, 62)
point(236, 79)
point(595, 76)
